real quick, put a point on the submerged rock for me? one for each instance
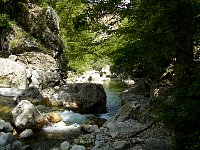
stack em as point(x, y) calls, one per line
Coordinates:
point(54, 117)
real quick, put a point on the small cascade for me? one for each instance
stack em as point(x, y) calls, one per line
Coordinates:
point(72, 117)
point(60, 128)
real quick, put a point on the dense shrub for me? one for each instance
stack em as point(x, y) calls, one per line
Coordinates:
point(181, 113)
point(4, 23)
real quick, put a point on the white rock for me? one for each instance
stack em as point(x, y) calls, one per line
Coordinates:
point(10, 91)
point(2, 124)
point(13, 74)
point(24, 115)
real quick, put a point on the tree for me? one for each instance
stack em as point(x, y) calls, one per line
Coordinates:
point(81, 36)
point(158, 34)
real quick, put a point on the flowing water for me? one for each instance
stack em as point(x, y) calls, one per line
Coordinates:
point(113, 90)
point(53, 136)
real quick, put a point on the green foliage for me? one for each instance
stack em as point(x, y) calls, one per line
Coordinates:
point(181, 113)
point(154, 35)
point(4, 23)
point(83, 46)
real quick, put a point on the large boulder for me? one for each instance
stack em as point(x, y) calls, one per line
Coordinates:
point(85, 98)
point(12, 74)
point(24, 115)
point(92, 99)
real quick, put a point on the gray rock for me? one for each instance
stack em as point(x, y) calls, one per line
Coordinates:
point(85, 140)
point(52, 19)
point(31, 94)
point(88, 97)
point(65, 145)
point(10, 91)
point(89, 128)
point(128, 111)
point(35, 79)
point(2, 124)
point(26, 133)
point(112, 127)
point(77, 147)
point(24, 115)
point(127, 96)
point(7, 141)
point(120, 145)
point(141, 87)
point(92, 97)
point(136, 148)
point(3, 138)
point(16, 145)
point(8, 127)
point(42, 69)
point(155, 144)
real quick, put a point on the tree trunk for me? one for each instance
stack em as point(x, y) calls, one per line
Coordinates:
point(184, 49)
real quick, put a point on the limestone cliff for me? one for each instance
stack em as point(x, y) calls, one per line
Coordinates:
point(36, 30)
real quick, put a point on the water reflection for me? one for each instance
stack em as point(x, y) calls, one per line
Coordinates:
point(113, 90)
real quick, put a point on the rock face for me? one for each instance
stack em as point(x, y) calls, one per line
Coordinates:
point(137, 92)
point(36, 31)
point(42, 70)
point(12, 74)
point(24, 115)
point(28, 70)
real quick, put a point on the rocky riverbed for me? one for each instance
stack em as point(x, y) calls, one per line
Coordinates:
point(131, 128)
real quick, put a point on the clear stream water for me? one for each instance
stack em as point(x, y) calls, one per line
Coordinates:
point(53, 136)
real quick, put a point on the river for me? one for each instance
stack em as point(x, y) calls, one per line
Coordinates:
point(52, 136)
